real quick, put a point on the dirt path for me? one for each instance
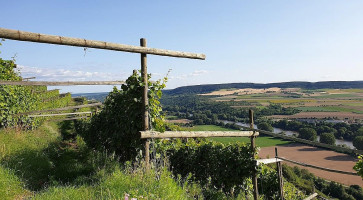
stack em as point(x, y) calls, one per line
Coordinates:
point(319, 157)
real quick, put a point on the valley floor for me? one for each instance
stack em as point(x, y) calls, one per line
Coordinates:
point(319, 157)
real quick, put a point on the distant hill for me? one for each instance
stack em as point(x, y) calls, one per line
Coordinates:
point(100, 96)
point(200, 89)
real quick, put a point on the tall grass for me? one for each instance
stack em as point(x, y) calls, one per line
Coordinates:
point(40, 165)
point(11, 187)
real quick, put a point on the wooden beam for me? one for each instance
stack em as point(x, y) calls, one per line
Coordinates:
point(62, 109)
point(145, 101)
point(61, 83)
point(317, 167)
point(279, 173)
point(195, 134)
point(60, 114)
point(78, 42)
point(311, 196)
point(29, 78)
point(66, 119)
point(268, 161)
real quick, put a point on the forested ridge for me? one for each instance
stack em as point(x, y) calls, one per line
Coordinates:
point(200, 89)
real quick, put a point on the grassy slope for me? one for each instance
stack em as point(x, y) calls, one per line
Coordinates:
point(21, 150)
point(261, 141)
point(38, 164)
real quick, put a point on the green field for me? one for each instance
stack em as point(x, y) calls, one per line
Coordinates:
point(328, 109)
point(337, 96)
point(207, 128)
point(261, 141)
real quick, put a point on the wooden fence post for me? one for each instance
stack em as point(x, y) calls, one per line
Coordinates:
point(253, 146)
point(279, 172)
point(145, 100)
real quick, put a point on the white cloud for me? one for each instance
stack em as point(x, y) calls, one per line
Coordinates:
point(67, 75)
point(199, 72)
point(190, 75)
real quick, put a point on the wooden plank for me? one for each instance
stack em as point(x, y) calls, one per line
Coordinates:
point(279, 173)
point(195, 134)
point(268, 161)
point(309, 142)
point(61, 83)
point(60, 114)
point(321, 168)
point(253, 148)
point(62, 109)
point(311, 196)
point(78, 42)
point(145, 101)
point(66, 119)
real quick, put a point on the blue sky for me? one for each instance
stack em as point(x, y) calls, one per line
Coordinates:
point(244, 41)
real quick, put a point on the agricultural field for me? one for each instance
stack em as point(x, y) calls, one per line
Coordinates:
point(319, 157)
point(261, 141)
point(344, 104)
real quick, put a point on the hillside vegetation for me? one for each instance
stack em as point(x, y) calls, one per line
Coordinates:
point(201, 89)
point(100, 158)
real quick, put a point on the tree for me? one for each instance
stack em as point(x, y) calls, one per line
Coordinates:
point(327, 138)
point(358, 142)
point(307, 134)
point(265, 126)
point(359, 132)
point(325, 129)
point(116, 128)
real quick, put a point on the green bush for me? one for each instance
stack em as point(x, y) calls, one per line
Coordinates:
point(116, 128)
point(358, 142)
point(265, 126)
point(224, 167)
point(327, 138)
point(15, 99)
point(356, 191)
point(307, 134)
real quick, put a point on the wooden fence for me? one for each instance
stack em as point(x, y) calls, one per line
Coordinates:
point(59, 83)
point(278, 161)
point(197, 134)
point(309, 142)
point(143, 50)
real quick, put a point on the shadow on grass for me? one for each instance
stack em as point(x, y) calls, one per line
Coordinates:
point(61, 163)
point(66, 129)
point(312, 149)
point(341, 158)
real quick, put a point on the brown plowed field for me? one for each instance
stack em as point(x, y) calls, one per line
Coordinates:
point(319, 157)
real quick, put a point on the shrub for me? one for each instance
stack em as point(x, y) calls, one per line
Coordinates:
point(327, 138)
point(116, 128)
point(307, 134)
point(223, 167)
point(356, 191)
point(265, 126)
point(358, 142)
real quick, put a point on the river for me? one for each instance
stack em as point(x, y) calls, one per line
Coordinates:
point(291, 133)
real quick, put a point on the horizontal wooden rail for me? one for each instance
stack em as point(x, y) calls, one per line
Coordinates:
point(196, 134)
point(66, 119)
point(61, 83)
point(268, 161)
point(78, 42)
point(317, 167)
point(311, 196)
point(62, 109)
point(60, 114)
point(309, 142)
